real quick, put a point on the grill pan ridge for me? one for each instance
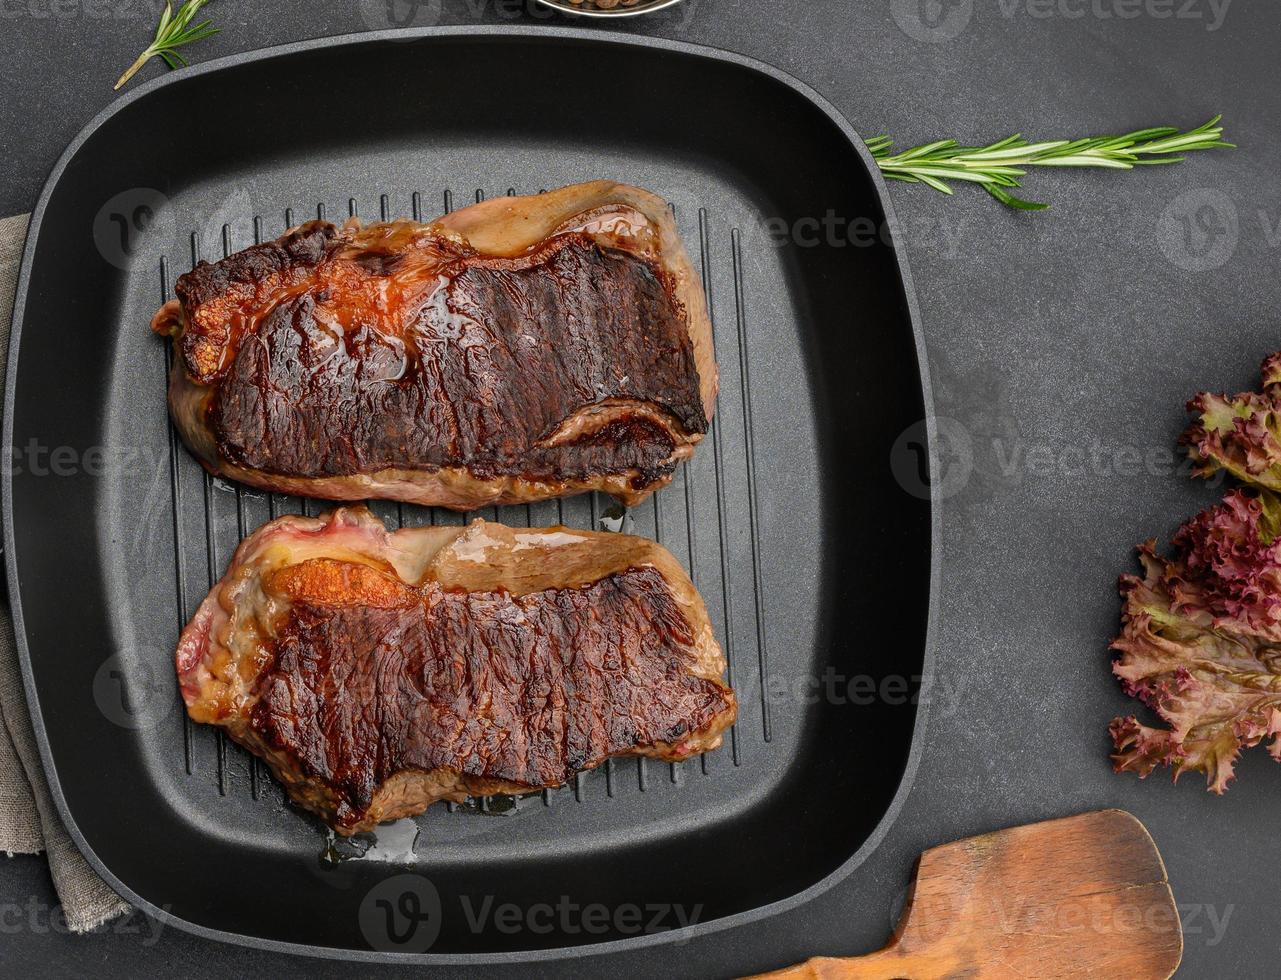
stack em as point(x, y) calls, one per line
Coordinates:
point(787, 517)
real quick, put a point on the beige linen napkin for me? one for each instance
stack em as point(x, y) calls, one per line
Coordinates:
point(29, 821)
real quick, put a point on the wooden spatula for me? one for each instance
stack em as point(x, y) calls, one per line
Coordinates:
point(1085, 896)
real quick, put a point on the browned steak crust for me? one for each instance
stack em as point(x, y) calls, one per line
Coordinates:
point(515, 350)
point(479, 375)
point(377, 672)
point(528, 690)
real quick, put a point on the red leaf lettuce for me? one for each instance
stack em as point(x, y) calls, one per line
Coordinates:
point(1200, 642)
point(1240, 435)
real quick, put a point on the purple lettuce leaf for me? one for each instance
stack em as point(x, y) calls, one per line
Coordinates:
point(1200, 643)
point(1240, 435)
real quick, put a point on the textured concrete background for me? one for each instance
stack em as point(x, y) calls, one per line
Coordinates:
point(1062, 345)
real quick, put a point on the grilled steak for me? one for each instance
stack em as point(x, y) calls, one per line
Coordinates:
point(379, 672)
point(518, 349)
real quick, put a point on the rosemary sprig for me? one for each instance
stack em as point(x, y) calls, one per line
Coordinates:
point(996, 167)
point(173, 31)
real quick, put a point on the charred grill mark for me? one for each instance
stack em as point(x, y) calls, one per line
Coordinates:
point(221, 299)
point(414, 354)
point(527, 689)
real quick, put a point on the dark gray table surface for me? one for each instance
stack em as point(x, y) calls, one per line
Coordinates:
point(1064, 343)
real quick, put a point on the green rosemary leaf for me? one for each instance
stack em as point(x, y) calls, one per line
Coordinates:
point(172, 32)
point(1016, 152)
point(951, 173)
point(927, 149)
point(1113, 163)
point(878, 145)
point(937, 184)
point(997, 166)
point(1010, 201)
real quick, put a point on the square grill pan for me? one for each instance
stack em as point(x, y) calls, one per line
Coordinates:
point(813, 560)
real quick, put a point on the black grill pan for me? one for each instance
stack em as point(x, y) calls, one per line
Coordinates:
point(815, 562)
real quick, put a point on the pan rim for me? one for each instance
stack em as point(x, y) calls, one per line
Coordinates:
point(679, 935)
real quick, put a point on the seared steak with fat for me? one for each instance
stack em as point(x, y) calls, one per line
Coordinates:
point(515, 350)
point(379, 672)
